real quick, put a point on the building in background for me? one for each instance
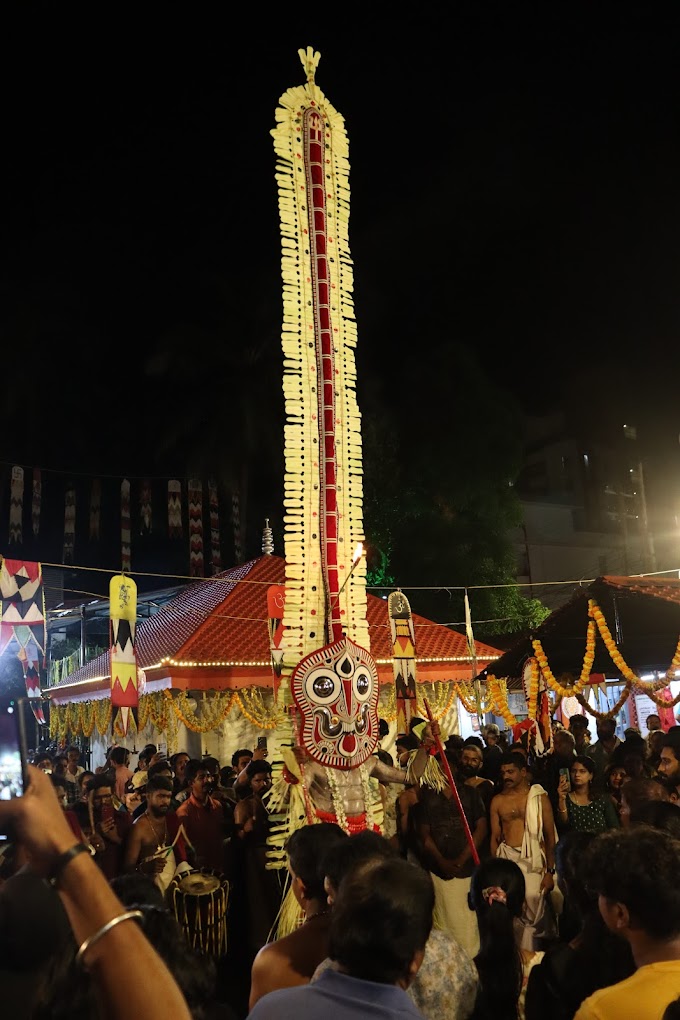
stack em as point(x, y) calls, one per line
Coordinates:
point(585, 509)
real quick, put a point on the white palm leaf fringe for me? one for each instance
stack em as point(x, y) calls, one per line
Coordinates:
point(306, 614)
point(306, 610)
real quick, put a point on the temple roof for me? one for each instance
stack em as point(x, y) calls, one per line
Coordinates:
point(223, 619)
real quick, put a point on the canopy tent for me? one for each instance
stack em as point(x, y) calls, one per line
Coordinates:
point(642, 615)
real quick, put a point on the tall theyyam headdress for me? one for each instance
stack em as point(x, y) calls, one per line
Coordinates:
point(330, 675)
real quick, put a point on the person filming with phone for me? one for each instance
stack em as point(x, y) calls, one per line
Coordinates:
point(551, 767)
point(577, 807)
point(108, 828)
point(240, 760)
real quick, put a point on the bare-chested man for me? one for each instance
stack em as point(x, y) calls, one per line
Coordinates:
point(155, 845)
point(523, 831)
point(292, 960)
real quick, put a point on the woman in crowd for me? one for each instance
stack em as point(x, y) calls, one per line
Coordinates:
point(614, 778)
point(497, 894)
point(577, 808)
point(594, 957)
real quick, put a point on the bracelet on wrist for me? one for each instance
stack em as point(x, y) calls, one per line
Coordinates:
point(128, 915)
point(63, 860)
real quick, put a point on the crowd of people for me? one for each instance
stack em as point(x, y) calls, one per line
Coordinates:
point(503, 885)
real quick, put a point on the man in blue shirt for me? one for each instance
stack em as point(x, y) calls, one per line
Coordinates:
point(380, 923)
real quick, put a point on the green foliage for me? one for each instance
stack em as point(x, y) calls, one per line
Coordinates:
point(439, 499)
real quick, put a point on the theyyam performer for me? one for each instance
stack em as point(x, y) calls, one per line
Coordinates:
point(327, 680)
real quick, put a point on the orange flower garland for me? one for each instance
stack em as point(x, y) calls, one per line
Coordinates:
point(441, 698)
point(645, 687)
point(499, 700)
point(586, 668)
point(612, 711)
point(532, 700)
point(463, 696)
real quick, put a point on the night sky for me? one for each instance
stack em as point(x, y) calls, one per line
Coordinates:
point(514, 187)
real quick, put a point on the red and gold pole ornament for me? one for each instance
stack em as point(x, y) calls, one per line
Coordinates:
point(324, 650)
point(123, 615)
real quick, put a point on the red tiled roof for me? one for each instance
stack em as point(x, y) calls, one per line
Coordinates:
point(225, 619)
point(664, 588)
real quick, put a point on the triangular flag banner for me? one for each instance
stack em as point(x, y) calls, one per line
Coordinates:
point(403, 658)
point(95, 509)
point(22, 623)
point(276, 597)
point(196, 562)
point(145, 517)
point(175, 509)
point(125, 524)
point(215, 553)
point(36, 501)
point(69, 524)
point(123, 614)
point(16, 504)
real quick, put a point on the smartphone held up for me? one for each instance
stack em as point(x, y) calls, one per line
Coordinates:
point(13, 754)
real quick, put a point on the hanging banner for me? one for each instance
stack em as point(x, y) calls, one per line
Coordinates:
point(16, 504)
point(125, 524)
point(36, 501)
point(236, 526)
point(123, 615)
point(196, 562)
point(215, 553)
point(69, 524)
point(276, 597)
point(22, 623)
point(175, 509)
point(403, 657)
point(95, 509)
point(145, 516)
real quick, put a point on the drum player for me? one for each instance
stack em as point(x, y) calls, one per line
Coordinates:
point(156, 842)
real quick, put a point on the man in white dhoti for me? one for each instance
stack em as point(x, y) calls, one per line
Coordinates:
point(523, 830)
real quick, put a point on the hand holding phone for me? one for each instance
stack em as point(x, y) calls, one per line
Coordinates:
point(564, 775)
point(260, 751)
point(37, 821)
point(13, 754)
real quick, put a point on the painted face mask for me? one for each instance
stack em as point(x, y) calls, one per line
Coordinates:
point(336, 690)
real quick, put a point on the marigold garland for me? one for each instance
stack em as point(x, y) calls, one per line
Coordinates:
point(612, 711)
point(498, 691)
point(465, 692)
point(644, 686)
point(532, 700)
point(586, 668)
point(441, 698)
point(163, 710)
point(462, 695)
point(662, 702)
point(253, 707)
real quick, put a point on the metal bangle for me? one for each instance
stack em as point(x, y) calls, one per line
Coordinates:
point(105, 929)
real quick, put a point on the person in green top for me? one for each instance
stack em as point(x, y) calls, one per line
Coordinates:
point(577, 809)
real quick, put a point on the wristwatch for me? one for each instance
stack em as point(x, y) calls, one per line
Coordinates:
point(551, 871)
